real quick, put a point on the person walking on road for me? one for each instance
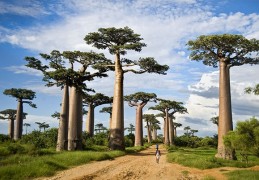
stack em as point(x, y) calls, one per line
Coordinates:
point(158, 154)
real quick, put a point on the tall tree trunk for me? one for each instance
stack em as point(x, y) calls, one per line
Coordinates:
point(11, 128)
point(116, 139)
point(90, 120)
point(63, 121)
point(75, 120)
point(79, 145)
point(154, 134)
point(225, 112)
point(175, 134)
point(171, 131)
point(166, 127)
point(19, 120)
point(149, 138)
point(110, 121)
point(139, 126)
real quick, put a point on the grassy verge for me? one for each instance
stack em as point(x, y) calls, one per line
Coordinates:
point(204, 159)
point(27, 166)
point(25, 162)
point(130, 150)
point(243, 175)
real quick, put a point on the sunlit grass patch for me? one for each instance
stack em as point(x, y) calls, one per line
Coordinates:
point(243, 175)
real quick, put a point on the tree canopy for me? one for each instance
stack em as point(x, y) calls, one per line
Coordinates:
point(235, 49)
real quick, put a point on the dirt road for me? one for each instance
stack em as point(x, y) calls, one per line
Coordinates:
point(140, 166)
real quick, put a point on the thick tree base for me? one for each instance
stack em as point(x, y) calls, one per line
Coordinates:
point(224, 153)
point(74, 145)
point(116, 140)
point(62, 146)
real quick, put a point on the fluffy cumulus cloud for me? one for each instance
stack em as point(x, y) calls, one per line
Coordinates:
point(166, 26)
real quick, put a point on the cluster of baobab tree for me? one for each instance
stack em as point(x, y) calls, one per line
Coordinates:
point(224, 51)
point(23, 96)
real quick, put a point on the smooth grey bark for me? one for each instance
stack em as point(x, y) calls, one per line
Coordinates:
point(166, 130)
point(19, 120)
point(11, 128)
point(225, 111)
point(139, 125)
point(63, 122)
point(149, 138)
point(171, 131)
point(75, 120)
point(90, 120)
point(154, 134)
point(116, 139)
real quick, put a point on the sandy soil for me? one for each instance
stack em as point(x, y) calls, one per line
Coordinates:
point(139, 166)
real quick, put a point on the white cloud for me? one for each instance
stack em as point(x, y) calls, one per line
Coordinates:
point(23, 70)
point(25, 8)
point(166, 26)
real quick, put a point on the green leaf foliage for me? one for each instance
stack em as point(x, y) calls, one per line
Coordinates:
point(234, 49)
point(117, 40)
point(20, 93)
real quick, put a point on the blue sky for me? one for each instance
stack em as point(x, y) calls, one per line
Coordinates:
point(30, 27)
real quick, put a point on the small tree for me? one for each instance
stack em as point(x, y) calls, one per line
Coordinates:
point(131, 128)
point(93, 101)
point(168, 109)
point(109, 111)
point(252, 90)
point(187, 128)
point(176, 125)
point(245, 138)
point(99, 127)
point(9, 114)
point(148, 118)
point(192, 131)
point(215, 120)
point(22, 96)
point(26, 126)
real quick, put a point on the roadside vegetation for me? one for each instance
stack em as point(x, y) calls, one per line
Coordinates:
point(34, 155)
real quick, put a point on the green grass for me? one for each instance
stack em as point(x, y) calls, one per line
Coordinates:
point(135, 149)
point(243, 175)
point(204, 159)
point(27, 166)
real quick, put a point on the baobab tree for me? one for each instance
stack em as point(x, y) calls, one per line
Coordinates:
point(43, 125)
point(109, 111)
point(192, 131)
point(139, 100)
point(168, 109)
point(154, 126)
point(71, 110)
point(57, 74)
point(99, 127)
point(176, 125)
point(23, 96)
point(26, 126)
point(118, 42)
point(10, 115)
point(215, 120)
point(131, 128)
point(149, 119)
point(227, 50)
point(252, 90)
point(187, 129)
point(93, 101)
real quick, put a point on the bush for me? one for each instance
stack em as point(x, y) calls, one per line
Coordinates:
point(129, 140)
point(15, 148)
point(4, 138)
point(47, 139)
